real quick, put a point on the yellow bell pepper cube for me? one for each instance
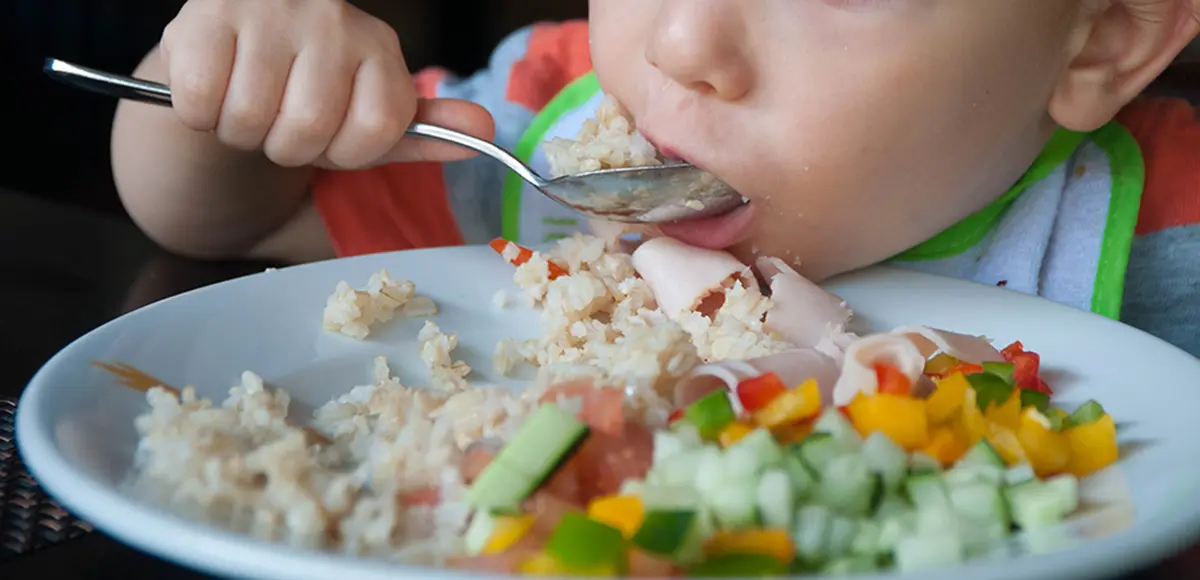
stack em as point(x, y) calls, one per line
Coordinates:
point(544, 565)
point(793, 406)
point(1007, 414)
point(1005, 442)
point(1093, 446)
point(947, 444)
point(623, 512)
point(508, 530)
point(948, 399)
point(1047, 450)
point(764, 542)
point(903, 419)
point(973, 422)
point(733, 433)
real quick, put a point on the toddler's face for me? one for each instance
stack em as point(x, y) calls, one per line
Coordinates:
point(858, 128)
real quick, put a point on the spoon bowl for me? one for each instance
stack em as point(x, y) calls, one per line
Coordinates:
point(646, 195)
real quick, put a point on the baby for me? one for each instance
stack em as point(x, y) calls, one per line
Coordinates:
point(1000, 141)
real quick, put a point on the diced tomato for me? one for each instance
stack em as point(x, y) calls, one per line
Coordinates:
point(523, 255)
point(421, 497)
point(606, 461)
point(644, 565)
point(602, 408)
point(476, 459)
point(1026, 367)
point(757, 392)
point(892, 381)
point(675, 415)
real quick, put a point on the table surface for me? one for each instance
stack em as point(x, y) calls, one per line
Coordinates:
point(68, 271)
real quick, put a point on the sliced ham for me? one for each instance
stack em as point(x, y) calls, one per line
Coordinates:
point(602, 408)
point(802, 312)
point(681, 276)
point(858, 367)
point(963, 347)
point(793, 367)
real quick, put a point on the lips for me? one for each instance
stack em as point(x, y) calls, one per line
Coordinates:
point(716, 233)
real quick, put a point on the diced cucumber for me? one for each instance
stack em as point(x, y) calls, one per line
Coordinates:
point(833, 422)
point(967, 473)
point(981, 537)
point(982, 453)
point(850, 565)
point(937, 520)
point(682, 468)
point(760, 445)
point(711, 473)
point(811, 533)
point(671, 442)
point(1039, 504)
point(1045, 540)
point(818, 449)
point(483, 525)
point(989, 390)
point(674, 534)
point(735, 504)
point(842, 531)
point(920, 463)
point(927, 491)
point(1019, 474)
point(1003, 370)
point(1036, 399)
point(776, 501)
point(804, 483)
point(886, 458)
point(581, 544)
point(670, 497)
point(926, 552)
point(499, 488)
point(710, 414)
point(895, 528)
point(848, 486)
point(891, 504)
point(980, 501)
point(738, 566)
point(542, 442)
point(866, 539)
point(1087, 413)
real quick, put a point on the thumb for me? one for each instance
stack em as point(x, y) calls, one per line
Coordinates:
point(464, 116)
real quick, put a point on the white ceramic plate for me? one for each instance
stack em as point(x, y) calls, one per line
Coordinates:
point(75, 425)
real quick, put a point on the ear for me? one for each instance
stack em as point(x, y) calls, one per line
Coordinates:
point(1122, 47)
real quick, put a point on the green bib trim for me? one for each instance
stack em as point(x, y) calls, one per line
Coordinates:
point(961, 236)
point(1128, 171)
point(572, 97)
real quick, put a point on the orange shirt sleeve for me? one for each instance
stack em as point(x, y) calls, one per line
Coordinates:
point(1168, 133)
point(405, 206)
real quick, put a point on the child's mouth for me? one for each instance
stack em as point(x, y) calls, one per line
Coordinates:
point(716, 233)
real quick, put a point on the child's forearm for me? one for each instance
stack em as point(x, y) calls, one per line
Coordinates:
point(192, 194)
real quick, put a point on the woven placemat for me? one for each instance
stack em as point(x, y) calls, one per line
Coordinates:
point(29, 519)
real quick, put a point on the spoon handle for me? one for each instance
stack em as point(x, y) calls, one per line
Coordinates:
point(129, 88)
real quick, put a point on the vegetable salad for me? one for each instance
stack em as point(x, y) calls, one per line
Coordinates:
point(768, 480)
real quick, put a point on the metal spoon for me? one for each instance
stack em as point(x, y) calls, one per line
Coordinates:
point(654, 194)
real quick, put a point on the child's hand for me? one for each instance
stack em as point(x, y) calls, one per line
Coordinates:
point(305, 81)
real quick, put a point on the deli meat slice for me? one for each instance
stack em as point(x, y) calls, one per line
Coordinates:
point(682, 276)
point(802, 312)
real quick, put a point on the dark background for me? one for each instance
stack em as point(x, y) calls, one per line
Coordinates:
point(56, 138)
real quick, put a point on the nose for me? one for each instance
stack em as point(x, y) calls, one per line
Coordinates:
point(700, 44)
